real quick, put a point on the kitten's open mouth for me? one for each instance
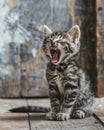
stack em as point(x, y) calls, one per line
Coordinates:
point(55, 53)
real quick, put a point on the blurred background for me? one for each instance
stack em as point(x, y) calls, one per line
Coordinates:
point(22, 62)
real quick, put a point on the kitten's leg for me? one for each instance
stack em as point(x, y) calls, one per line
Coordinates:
point(83, 107)
point(81, 113)
point(69, 100)
point(55, 103)
point(84, 104)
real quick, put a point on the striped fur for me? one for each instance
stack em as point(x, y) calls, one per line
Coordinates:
point(69, 88)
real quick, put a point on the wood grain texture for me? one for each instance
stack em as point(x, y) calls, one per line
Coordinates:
point(100, 46)
point(38, 121)
point(20, 121)
point(12, 121)
point(85, 124)
point(22, 63)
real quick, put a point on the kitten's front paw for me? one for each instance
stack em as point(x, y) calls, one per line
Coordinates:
point(62, 116)
point(78, 114)
point(51, 116)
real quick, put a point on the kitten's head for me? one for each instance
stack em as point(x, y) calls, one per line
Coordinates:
point(61, 45)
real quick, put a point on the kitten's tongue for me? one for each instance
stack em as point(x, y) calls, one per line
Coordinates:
point(55, 57)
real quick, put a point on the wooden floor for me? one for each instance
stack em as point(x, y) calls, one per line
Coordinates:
point(31, 121)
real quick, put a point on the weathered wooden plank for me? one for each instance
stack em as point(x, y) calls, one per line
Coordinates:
point(99, 105)
point(83, 124)
point(100, 46)
point(99, 108)
point(38, 121)
point(100, 114)
point(12, 121)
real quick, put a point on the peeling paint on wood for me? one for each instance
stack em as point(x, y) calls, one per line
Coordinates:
point(22, 64)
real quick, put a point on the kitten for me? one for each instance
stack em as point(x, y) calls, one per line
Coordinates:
point(69, 87)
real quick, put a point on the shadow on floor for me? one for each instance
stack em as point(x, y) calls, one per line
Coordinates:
point(37, 116)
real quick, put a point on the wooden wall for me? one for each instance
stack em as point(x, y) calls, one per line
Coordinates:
point(22, 63)
point(100, 46)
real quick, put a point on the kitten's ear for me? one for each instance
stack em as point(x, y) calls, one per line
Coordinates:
point(74, 33)
point(46, 31)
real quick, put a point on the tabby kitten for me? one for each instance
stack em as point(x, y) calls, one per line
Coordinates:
point(69, 88)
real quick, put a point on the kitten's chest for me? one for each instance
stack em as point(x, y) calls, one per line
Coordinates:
point(59, 81)
point(60, 76)
point(56, 78)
